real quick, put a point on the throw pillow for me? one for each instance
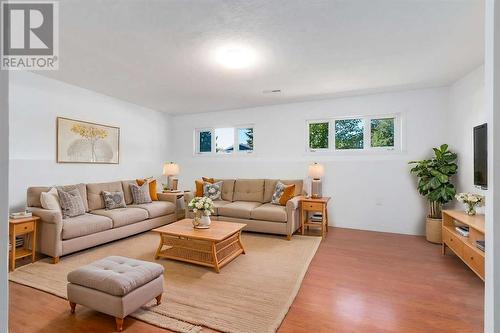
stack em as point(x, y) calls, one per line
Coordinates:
point(113, 200)
point(282, 193)
point(199, 185)
point(152, 187)
point(50, 200)
point(212, 191)
point(71, 202)
point(140, 194)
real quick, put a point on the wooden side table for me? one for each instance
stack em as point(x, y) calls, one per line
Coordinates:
point(308, 205)
point(180, 202)
point(18, 227)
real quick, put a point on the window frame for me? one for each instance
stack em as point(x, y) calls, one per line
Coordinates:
point(236, 149)
point(366, 120)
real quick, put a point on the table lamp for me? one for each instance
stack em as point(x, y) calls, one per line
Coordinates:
point(316, 171)
point(170, 170)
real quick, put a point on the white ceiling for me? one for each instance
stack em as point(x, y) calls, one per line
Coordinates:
point(159, 53)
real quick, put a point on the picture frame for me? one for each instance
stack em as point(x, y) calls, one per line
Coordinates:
point(79, 141)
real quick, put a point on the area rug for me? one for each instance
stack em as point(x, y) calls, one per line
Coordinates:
point(251, 294)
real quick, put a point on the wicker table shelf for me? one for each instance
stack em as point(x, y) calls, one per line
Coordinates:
point(213, 247)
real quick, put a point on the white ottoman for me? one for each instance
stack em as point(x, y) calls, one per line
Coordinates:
point(116, 286)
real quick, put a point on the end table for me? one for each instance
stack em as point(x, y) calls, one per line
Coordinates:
point(180, 202)
point(17, 227)
point(308, 205)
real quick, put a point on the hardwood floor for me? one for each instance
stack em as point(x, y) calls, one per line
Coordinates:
point(359, 281)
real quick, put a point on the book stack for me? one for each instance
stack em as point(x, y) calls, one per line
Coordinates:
point(480, 245)
point(20, 215)
point(317, 217)
point(19, 242)
point(464, 231)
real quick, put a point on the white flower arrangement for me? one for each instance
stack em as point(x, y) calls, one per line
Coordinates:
point(471, 200)
point(202, 204)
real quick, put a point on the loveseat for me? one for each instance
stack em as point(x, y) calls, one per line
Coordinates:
point(57, 236)
point(249, 201)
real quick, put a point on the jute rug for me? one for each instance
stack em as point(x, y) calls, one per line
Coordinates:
point(251, 294)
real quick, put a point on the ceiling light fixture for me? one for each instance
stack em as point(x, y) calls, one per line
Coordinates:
point(236, 56)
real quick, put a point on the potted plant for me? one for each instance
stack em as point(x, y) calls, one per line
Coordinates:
point(434, 183)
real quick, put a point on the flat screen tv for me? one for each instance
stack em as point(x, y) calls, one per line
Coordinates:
point(481, 156)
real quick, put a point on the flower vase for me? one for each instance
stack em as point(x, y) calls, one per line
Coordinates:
point(205, 221)
point(196, 219)
point(471, 209)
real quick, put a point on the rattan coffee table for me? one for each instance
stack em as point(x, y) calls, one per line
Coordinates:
point(213, 247)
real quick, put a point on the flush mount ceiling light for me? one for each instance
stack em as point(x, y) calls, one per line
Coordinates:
point(235, 56)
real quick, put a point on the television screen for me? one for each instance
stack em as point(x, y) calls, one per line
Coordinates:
point(481, 155)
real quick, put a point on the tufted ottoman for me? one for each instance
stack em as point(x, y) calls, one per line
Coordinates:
point(116, 286)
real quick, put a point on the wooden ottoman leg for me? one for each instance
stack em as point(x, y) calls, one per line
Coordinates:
point(119, 324)
point(73, 306)
point(158, 299)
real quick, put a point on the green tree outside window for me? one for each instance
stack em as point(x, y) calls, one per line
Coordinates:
point(382, 132)
point(349, 134)
point(318, 135)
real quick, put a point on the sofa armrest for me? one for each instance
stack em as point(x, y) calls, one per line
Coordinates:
point(46, 215)
point(171, 197)
point(293, 215)
point(293, 203)
point(49, 231)
point(188, 196)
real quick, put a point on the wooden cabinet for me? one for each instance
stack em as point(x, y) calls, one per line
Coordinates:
point(27, 227)
point(464, 247)
point(313, 205)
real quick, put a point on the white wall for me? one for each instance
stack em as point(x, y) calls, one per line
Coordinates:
point(371, 192)
point(4, 198)
point(467, 110)
point(36, 101)
point(492, 106)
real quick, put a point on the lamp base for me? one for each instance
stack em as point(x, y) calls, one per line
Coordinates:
point(316, 189)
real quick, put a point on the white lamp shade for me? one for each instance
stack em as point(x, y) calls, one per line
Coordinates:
point(171, 169)
point(316, 171)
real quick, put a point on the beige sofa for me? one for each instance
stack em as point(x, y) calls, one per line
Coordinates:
point(249, 201)
point(58, 237)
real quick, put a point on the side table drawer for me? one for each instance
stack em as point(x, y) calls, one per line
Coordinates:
point(474, 260)
point(312, 206)
point(23, 228)
point(453, 242)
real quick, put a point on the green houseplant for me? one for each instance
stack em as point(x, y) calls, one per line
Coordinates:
point(434, 183)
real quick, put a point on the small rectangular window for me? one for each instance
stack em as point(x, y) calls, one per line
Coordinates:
point(349, 134)
point(318, 135)
point(224, 140)
point(245, 139)
point(382, 132)
point(205, 141)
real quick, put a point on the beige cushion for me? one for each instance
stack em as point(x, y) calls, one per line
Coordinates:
point(33, 195)
point(123, 216)
point(157, 208)
point(241, 209)
point(227, 189)
point(50, 200)
point(218, 204)
point(270, 186)
point(116, 275)
point(249, 190)
point(85, 225)
point(129, 199)
point(269, 212)
point(94, 193)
